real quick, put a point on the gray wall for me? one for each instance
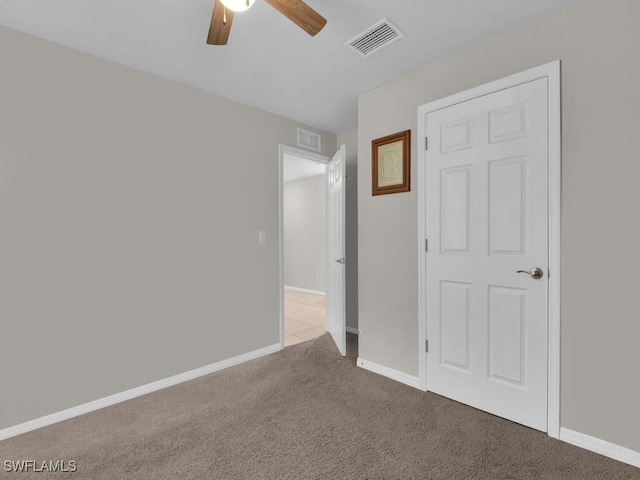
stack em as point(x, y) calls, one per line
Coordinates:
point(130, 208)
point(597, 43)
point(305, 233)
point(350, 140)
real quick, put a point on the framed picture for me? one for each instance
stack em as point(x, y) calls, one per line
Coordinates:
point(391, 163)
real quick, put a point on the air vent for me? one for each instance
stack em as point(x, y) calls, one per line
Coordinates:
point(308, 140)
point(375, 38)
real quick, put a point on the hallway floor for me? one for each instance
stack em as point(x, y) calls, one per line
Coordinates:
point(304, 316)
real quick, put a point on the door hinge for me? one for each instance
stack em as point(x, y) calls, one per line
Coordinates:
point(426, 346)
point(426, 143)
point(426, 244)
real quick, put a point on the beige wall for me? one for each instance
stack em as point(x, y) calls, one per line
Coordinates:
point(597, 43)
point(350, 140)
point(305, 232)
point(130, 208)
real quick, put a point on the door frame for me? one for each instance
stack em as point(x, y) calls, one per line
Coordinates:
point(550, 71)
point(305, 154)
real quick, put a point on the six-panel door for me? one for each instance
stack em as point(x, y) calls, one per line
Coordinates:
point(487, 219)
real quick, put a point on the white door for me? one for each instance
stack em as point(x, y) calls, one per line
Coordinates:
point(487, 220)
point(336, 322)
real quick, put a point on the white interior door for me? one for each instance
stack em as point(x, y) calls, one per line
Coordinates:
point(487, 219)
point(336, 321)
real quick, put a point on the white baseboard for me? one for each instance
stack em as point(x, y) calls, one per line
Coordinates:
point(305, 290)
point(355, 331)
point(602, 447)
point(389, 372)
point(134, 392)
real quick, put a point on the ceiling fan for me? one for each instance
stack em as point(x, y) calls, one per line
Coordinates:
point(295, 10)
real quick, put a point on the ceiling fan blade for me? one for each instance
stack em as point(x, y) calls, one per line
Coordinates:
point(220, 25)
point(301, 14)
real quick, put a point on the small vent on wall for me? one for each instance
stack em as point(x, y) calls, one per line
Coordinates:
point(375, 38)
point(309, 140)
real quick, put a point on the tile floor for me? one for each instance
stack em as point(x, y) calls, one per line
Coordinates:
point(304, 316)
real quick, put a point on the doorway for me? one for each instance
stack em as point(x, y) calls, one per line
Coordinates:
point(489, 206)
point(304, 248)
point(302, 244)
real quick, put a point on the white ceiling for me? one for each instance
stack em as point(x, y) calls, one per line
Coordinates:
point(295, 168)
point(270, 63)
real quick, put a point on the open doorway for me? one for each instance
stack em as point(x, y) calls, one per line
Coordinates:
point(303, 245)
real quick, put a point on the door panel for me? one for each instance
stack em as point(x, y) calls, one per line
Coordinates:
point(336, 312)
point(455, 221)
point(507, 206)
point(506, 334)
point(454, 324)
point(487, 218)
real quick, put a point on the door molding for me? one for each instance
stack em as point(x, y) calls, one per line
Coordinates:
point(550, 71)
point(298, 152)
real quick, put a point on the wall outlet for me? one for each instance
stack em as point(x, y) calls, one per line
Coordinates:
point(262, 237)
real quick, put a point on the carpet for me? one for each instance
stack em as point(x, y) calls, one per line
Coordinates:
point(303, 413)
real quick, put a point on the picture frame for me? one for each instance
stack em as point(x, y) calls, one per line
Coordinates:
point(391, 163)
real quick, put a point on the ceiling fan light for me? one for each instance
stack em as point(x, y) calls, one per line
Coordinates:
point(238, 5)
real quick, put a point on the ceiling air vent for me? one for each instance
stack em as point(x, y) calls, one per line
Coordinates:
point(375, 38)
point(308, 140)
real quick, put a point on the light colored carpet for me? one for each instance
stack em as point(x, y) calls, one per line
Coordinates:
point(304, 413)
